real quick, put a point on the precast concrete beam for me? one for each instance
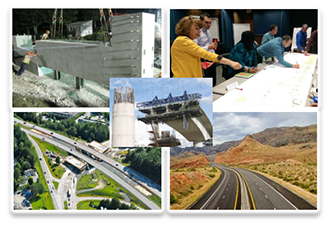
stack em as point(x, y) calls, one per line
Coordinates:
point(131, 53)
point(199, 128)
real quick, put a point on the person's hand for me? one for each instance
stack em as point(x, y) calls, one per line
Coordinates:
point(253, 70)
point(295, 65)
point(213, 45)
point(304, 52)
point(235, 65)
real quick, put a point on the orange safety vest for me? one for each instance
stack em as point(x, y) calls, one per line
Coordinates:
point(27, 59)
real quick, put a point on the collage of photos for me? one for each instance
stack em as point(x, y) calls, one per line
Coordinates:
point(231, 123)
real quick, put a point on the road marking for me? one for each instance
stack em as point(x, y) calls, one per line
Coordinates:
point(223, 197)
point(249, 190)
point(277, 192)
point(236, 198)
point(266, 196)
point(225, 175)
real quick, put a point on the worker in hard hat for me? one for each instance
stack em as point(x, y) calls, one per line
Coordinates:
point(46, 35)
point(26, 61)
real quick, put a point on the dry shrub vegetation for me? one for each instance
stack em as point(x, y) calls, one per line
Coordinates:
point(294, 164)
point(188, 181)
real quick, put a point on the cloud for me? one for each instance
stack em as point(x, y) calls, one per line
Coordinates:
point(234, 126)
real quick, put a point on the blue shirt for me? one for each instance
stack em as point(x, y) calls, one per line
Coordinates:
point(240, 54)
point(274, 48)
point(267, 37)
point(301, 39)
point(204, 40)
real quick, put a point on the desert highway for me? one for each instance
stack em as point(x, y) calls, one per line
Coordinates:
point(243, 189)
point(224, 194)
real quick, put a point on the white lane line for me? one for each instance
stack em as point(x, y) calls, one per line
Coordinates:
point(278, 193)
point(224, 177)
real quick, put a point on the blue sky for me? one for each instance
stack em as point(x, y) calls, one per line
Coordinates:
point(234, 126)
point(147, 88)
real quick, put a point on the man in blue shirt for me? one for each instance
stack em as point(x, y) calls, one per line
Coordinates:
point(270, 34)
point(275, 48)
point(301, 39)
point(205, 41)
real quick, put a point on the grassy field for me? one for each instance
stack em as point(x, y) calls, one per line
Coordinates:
point(42, 201)
point(111, 190)
point(55, 184)
point(157, 200)
point(45, 145)
point(87, 181)
point(85, 205)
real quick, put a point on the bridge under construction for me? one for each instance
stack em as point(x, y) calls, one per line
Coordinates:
point(183, 113)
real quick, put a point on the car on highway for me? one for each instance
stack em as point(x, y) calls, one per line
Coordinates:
point(51, 191)
point(48, 181)
point(24, 122)
point(51, 132)
point(40, 158)
point(45, 172)
point(75, 142)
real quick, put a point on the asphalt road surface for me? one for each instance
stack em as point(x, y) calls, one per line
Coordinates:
point(262, 193)
point(224, 194)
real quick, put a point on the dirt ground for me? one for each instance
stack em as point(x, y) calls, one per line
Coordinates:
point(30, 90)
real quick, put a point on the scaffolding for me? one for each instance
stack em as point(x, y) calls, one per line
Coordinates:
point(169, 109)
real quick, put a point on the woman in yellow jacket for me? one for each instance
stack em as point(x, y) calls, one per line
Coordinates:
point(186, 54)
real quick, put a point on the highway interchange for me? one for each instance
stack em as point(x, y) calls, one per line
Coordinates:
point(126, 177)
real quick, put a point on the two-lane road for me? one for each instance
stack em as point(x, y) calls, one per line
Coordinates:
point(224, 194)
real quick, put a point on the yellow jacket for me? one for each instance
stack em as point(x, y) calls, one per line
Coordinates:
point(185, 55)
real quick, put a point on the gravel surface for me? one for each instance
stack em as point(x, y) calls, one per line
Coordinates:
point(30, 90)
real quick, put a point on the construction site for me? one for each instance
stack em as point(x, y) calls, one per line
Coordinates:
point(73, 64)
point(182, 113)
point(144, 117)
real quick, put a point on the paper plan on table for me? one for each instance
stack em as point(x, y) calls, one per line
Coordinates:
point(276, 86)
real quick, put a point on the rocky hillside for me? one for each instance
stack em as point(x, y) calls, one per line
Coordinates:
point(188, 160)
point(275, 137)
point(250, 152)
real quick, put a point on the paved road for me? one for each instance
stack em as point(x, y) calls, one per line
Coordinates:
point(267, 194)
point(224, 194)
point(97, 165)
point(243, 189)
point(48, 176)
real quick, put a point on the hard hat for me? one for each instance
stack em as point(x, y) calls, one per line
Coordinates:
point(28, 52)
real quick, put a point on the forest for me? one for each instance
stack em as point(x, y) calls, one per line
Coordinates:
point(87, 131)
point(24, 155)
point(146, 161)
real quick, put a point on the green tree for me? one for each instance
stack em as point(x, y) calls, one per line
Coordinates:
point(37, 188)
point(26, 165)
point(17, 173)
point(58, 160)
point(30, 180)
point(115, 203)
